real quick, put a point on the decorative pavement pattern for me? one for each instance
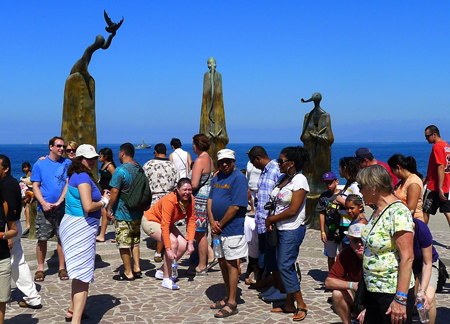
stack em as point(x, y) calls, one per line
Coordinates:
point(145, 301)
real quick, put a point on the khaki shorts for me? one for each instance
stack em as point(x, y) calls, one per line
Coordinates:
point(434, 275)
point(5, 280)
point(128, 234)
point(234, 247)
point(149, 227)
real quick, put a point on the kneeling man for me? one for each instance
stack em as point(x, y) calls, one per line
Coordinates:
point(344, 276)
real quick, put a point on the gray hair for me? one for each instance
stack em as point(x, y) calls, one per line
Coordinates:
point(375, 176)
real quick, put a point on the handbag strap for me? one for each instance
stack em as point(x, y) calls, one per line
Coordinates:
point(209, 174)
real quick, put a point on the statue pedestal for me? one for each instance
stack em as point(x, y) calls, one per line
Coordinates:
point(312, 218)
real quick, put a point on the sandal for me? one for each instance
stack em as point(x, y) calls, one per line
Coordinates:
point(195, 272)
point(138, 274)
point(224, 313)
point(39, 276)
point(218, 304)
point(281, 310)
point(298, 318)
point(122, 277)
point(62, 274)
point(83, 316)
point(212, 264)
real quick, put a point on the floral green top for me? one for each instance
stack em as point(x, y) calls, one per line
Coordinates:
point(381, 258)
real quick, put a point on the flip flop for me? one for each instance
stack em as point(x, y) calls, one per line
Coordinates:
point(39, 276)
point(63, 275)
point(297, 318)
point(212, 264)
point(281, 310)
point(225, 313)
point(137, 275)
point(194, 272)
point(122, 277)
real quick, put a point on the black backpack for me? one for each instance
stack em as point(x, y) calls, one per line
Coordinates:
point(443, 276)
point(332, 221)
point(139, 196)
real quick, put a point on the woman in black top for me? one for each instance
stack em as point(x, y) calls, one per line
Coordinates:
point(106, 172)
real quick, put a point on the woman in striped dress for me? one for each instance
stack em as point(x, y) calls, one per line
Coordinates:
point(79, 227)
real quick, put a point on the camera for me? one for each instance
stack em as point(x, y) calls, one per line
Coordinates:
point(270, 205)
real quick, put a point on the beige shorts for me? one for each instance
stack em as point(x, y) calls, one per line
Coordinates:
point(149, 227)
point(234, 247)
point(434, 275)
point(5, 280)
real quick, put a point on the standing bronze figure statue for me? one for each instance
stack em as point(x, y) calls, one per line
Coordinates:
point(317, 138)
point(212, 119)
point(78, 122)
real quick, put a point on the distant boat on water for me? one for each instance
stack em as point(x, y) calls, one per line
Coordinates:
point(142, 146)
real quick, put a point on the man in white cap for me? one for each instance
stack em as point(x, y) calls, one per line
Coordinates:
point(227, 205)
point(345, 274)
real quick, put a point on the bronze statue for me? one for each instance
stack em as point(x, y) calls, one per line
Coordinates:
point(78, 123)
point(212, 119)
point(317, 138)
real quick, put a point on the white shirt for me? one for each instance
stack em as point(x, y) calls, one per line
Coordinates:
point(179, 158)
point(252, 175)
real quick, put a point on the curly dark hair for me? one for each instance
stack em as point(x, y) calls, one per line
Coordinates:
point(202, 142)
point(297, 154)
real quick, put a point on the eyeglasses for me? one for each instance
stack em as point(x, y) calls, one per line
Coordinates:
point(281, 161)
point(355, 241)
point(60, 145)
point(70, 151)
point(428, 136)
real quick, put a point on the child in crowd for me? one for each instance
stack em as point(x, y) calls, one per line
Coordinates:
point(354, 207)
point(251, 235)
point(329, 217)
point(26, 188)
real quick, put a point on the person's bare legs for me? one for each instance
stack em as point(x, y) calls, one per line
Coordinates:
point(79, 295)
point(62, 261)
point(41, 252)
point(431, 293)
point(330, 263)
point(230, 277)
point(448, 218)
point(202, 242)
point(159, 247)
point(2, 312)
point(342, 302)
point(101, 236)
point(136, 255)
point(27, 216)
point(125, 254)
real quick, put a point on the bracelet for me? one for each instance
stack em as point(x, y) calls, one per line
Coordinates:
point(105, 202)
point(167, 249)
point(323, 233)
point(423, 291)
point(42, 201)
point(398, 301)
point(402, 294)
point(351, 285)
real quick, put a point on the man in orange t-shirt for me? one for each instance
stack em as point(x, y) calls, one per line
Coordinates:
point(438, 176)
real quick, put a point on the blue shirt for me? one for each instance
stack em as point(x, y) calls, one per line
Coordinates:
point(74, 206)
point(121, 179)
point(267, 180)
point(52, 176)
point(229, 190)
point(422, 239)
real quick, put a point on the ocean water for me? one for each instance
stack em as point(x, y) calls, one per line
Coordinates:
point(381, 151)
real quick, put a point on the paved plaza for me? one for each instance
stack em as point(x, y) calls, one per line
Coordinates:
point(145, 301)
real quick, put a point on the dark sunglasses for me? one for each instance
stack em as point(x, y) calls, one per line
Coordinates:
point(428, 136)
point(355, 240)
point(60, 145)
point(281, 161)
point(70, 151)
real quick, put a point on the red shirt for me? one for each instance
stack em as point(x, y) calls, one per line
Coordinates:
point(394, 178)
point(348, 266)
point(440, 154)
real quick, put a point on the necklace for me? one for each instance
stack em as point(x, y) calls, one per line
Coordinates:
point(183, 206)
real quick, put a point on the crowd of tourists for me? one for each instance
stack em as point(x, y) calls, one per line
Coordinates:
point(382, 267)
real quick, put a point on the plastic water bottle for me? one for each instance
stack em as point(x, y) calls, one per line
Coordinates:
point(423, 312)
point(174, 269)
point(217, 247)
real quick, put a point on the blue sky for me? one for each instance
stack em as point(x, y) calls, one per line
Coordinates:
point(382, 67)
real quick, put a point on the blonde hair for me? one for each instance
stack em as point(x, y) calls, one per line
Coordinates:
point(73, 144)
point(375, 176)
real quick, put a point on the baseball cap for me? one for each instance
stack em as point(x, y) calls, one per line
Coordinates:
point(355, 230)
point(329, 176)
point(363, 153)
point(226, 154)
point(87, 151)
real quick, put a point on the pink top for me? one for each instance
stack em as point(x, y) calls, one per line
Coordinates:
point(402, 191)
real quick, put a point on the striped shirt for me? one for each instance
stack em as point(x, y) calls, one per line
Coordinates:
point(267, 180)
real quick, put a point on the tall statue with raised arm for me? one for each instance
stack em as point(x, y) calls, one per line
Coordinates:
point(212, 118)
point(317, 138)
point(78, 122)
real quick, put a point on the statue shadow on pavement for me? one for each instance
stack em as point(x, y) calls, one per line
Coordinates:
point(217, 292)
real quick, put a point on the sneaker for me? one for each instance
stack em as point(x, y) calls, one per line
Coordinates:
point(159, 274)
point(268, 292)
point(169, 284)
point(158, 257)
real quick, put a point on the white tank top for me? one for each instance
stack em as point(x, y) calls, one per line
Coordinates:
point(180, 160)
